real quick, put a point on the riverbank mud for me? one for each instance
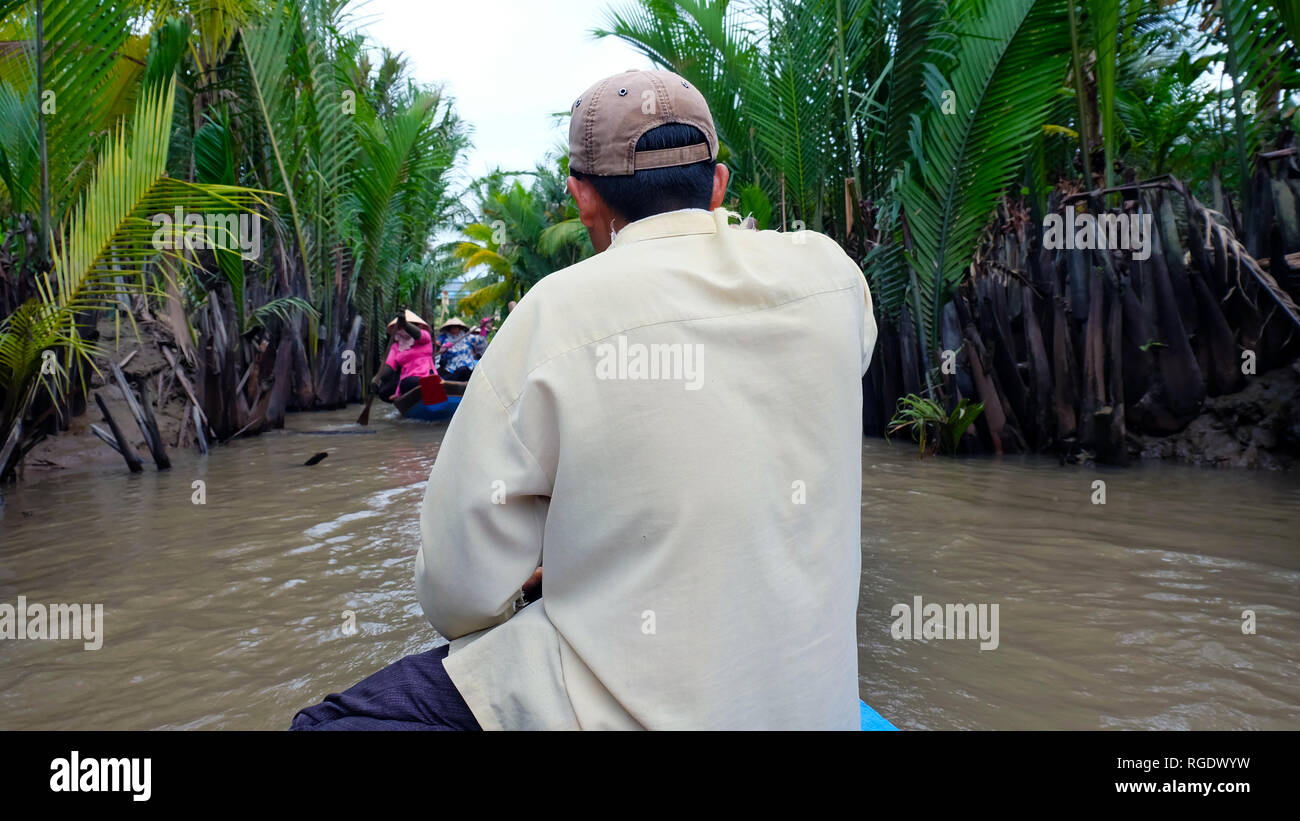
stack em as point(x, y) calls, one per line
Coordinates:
point(1256, 428)
point(77, 447)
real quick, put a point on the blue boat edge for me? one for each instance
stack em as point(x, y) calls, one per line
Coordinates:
point(434, 413)
point(871, 720)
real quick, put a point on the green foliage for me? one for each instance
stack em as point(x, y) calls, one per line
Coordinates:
point(939, 110)
point(104, 248)
point(754, 203)
point(278, 111)
point(931, 426)
point(283, 309)
point(1163, 112)
point(1010, 62)
point(1254, 37)
point(520, 235)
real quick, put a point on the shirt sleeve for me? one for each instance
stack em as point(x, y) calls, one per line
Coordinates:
point(482, 519)
point(391, 361)
point(869, 330)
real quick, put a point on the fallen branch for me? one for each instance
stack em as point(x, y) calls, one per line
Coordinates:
point(148, 428)
point(1161, 181)
point(1231, 244)
point(155, 438)
point(244, 428)
point(186, 386)
point(1244, 259)
point(106, 437)
point(198, 429)
point(123, 446)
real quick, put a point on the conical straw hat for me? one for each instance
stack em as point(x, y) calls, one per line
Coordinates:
point(412, 318)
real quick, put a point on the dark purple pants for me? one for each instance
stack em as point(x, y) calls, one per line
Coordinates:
point(414, 693)
point(390, 388)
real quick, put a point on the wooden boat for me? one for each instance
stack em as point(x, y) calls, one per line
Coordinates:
point(432, 400)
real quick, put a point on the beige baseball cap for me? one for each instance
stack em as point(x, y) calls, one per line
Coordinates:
point(609, 118)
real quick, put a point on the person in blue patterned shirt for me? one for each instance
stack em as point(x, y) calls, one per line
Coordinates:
point(456, 361)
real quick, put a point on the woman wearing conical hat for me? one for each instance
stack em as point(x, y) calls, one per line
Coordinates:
point(451, 330)
point(410, 356)
point(456, 359)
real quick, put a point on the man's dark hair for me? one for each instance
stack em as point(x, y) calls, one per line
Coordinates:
point(657, 190)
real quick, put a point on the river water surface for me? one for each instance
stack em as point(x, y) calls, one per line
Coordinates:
point(232, 613)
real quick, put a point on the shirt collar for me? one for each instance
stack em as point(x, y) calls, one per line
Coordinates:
point(669, 224)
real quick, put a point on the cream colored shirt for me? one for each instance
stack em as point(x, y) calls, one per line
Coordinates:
point(673, 428)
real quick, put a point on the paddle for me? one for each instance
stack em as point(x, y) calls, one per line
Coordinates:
point(364, 418)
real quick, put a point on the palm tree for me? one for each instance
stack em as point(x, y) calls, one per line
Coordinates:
point(522, 234)
point(403, 195)
point(276, 108)
point(818, 81)
point(103, 251)
point(1009, 64)
point(926, 112)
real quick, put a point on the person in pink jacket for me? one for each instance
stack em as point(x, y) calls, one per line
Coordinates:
point(410, 356)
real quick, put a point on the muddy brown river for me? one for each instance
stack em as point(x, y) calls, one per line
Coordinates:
point(234, 613)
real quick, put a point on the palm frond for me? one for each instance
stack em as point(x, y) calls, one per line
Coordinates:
point(569, 233)
point(87, 68)
point(474, 303)
point(1103, 15)
point(107, 241)
point(1254, 40)
point(283, 309)
point(1011, 61)
point(264, 48)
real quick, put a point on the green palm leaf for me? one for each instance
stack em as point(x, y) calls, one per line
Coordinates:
point(1254, 37)
point(485, 296)
point(570, 233)
point(85, 49)
point(264, 49)
point(1011, 60)
point(106, 243)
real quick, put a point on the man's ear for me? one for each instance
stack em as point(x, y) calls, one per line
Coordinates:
point(593, 213)
point(587, 200)
point(721, 176)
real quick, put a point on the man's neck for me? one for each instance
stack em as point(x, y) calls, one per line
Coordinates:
point(618, 224)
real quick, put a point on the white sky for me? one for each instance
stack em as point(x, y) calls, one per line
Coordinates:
point(509, 64)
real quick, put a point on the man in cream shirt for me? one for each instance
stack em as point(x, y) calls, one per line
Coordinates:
point(671, 430)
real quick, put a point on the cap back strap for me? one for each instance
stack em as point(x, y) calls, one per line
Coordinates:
point(666, 157)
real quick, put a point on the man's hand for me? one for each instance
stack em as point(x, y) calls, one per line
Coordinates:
point(534, 580)
point(533, 587)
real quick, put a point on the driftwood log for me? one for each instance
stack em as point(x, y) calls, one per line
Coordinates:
point(143, 419)
point(123, 446)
